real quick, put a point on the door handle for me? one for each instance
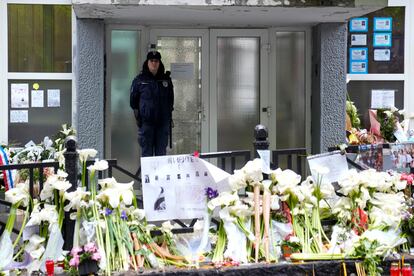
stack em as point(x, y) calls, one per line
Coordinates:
point(201, 114)
point(267, 109)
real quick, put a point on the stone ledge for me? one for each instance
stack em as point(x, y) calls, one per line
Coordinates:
point(319, 268)
point(260, 3)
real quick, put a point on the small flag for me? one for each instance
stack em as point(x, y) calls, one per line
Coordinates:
point(7, 174)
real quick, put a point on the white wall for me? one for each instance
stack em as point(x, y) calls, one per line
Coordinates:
point(408, 57)
point(3, 73)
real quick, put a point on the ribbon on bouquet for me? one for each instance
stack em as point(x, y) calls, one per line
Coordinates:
point(7, 174)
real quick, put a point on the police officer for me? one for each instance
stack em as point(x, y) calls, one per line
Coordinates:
point(152, 99)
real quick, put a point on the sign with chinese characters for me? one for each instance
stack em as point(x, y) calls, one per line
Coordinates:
point(174, 186)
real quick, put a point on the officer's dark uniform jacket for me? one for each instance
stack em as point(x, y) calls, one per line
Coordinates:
point(152, 98)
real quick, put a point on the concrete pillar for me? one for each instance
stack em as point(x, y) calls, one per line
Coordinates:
point(89, 62)
point(328, 85)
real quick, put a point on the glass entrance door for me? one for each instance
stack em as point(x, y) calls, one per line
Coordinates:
point(239, 93)
point(182, 54)
point(291, 96)
point(222, 88)
point(124, 62)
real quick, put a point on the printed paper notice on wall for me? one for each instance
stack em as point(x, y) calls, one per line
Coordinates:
point(382, 54)
point(358, 54)
point(382, 39)
point(382, 98)
point(358, 67)
point(19, 116)
point(37, 98)
point(19, 95)
point(182, 71)
point(358, 25)
point(53, 97)
point(358, 39)
point(382, 24)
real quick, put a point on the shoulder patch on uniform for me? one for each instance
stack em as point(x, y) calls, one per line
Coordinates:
point(165, 83)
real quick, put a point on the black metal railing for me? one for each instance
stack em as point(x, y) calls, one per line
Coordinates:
point(293, 159)
point(113, 164)
point(226, 160)
point(232, 156)
point(31, 167)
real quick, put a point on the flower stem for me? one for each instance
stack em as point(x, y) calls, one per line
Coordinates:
point(84, 173)
point(95, 212)
point(76, 231)
point(61, 213)
point(256, 198)
point(26, 216)
point(221, 242)
point(12, 217)
point(18, 253)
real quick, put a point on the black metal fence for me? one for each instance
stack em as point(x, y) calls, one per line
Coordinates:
point(72, 169)
point(293, 159)
point(226, 160)
point(31, 167)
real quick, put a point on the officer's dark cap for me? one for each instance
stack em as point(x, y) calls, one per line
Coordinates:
point(154, 55)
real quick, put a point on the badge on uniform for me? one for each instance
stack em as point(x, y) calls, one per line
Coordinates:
point(165, 83)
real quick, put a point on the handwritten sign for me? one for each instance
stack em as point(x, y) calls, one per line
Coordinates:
point(174, 186)
point(19, 95)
